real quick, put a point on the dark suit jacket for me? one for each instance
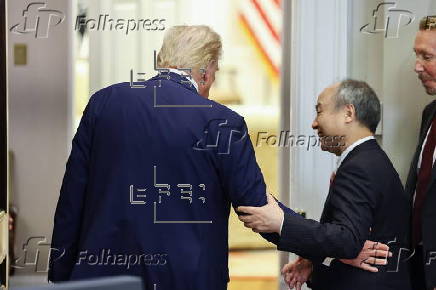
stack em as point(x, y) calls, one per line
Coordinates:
point(429, 210)
point(366, 201)
point(148, 187)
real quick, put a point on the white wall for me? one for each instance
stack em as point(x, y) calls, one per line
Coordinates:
point(39, 121)
point(319, 58)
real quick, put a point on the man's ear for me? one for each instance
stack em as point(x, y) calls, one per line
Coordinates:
point(350, 113)
point(203, 76)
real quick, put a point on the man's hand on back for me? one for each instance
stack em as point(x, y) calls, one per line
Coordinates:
point(373, 253)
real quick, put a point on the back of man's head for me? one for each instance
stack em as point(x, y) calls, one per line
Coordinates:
point(189, 47)
point(363, 98)
point(428, 23)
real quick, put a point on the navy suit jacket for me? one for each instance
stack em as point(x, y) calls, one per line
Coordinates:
point(366, 201)
point(148, 187)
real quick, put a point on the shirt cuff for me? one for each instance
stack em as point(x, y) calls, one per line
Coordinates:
point(327, 261)
point(281, 225)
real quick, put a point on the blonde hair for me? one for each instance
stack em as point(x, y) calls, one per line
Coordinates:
point(192, 47)
point(428, 23)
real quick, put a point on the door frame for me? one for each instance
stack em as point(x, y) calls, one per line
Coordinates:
point(315, 55)
point(4, 203)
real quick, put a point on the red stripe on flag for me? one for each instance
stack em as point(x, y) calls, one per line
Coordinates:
point(259, 45)
point(265, 19)
point(278, 3)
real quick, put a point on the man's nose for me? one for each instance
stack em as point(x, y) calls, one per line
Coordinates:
point(418, 66)
point(315, 124)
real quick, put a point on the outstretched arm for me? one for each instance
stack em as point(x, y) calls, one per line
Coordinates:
point(350, 207)
point(68, 215)
point(241, 176)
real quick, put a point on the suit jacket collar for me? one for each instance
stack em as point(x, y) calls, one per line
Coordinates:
point(427, 122)
point(412, 176)
point(432, 115)
point(426, 127)
point(350, 148)
point(174, 77)
point(367, 145)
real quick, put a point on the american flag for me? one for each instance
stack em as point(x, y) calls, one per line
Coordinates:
point(262, 20)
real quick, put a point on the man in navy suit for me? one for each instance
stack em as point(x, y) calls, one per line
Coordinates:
point(152, 174)
point(366, 201)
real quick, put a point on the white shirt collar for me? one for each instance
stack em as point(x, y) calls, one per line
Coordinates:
point(187, 75)
point(422, 150)
point(349, 149)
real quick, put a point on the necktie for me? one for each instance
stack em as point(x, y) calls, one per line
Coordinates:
point(422, 183)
